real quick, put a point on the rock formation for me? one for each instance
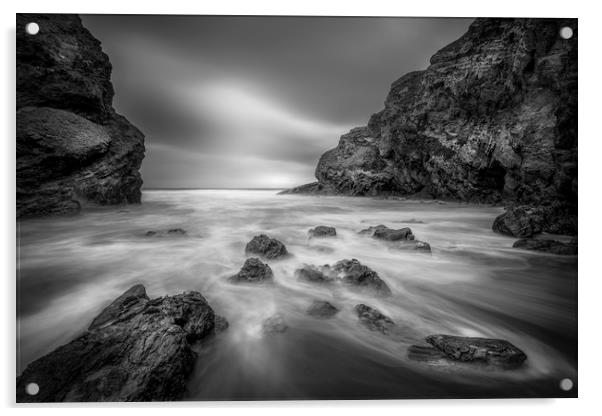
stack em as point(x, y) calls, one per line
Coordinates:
point(322, 309)
point(373, 319)
point(135, 350)
point(253, 271)
point(264, 246)
point(72, 147)
point(323, 231)
point(492, 119)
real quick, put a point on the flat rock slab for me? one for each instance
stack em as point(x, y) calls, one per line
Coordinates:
point(322, 231)
point(264, 246)
point(322, 309)
point(373, 319)
point(495, 352)
point(136, 350)
point(253, 271)
point(547, 246)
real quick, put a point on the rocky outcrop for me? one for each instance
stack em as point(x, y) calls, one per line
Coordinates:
point(492, 352)
point(492, 119)
point(373, 319)
point(353, 273)
point(72, 147)
point(547, 246)
point(323, 231)
point(264, 246)
point(136, 349)
point(253, 271)
point(322, 309)
point(526, 221)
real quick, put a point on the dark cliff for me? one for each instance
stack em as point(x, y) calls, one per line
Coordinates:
point(72, 147)
point(492, 119)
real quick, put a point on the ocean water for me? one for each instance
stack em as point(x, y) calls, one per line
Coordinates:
point(473, 284)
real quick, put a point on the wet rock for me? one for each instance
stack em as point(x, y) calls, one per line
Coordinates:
point(136, 350)
point(415, 245)
point(221, 324)
point(274, 324)
point(267, 247)
point(172, 232)
point(72, 148)
point(547, 246)
point(323, 231)
point(352, 272)
point(495, 352)
point(373, 319)
point(425, 353)
point(322, 309)
point(524, 221)
point(382, 232)
point(253, 271)
point(313, 274)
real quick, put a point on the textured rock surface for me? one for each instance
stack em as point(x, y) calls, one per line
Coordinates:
point(264, 246)
point(136, 350)
point(352, 272)
point(323, 231)
point(72, 147)
point(525, 221)
point(495, 352)
point(322, 309)
point(493, 118)
point(547, 246)
point(253, 271)
point(373, 319)
point(382, 232)
point(314, 274)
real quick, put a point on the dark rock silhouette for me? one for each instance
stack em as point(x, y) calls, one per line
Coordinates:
point(382, 232)
point(322, 309)
point(526, 221)
point(266, 247)
point(547, 246)
point(492, 119)
point(135, 350)
point(322, 231)
point(172, 232)
point(352, 272)
point(373, 319)
point(253, 271)
point(72, 147)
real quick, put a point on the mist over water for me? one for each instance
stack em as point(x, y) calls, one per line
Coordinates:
point(473, 284)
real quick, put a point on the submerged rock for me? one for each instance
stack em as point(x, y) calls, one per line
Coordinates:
point(495, 352)
point(72, 148)
point(267, 247)
point(253, 271)
point(414, 245)
point(274, 324)
point(313, 274)
point(323, 231)
point(373, 319)
point(322, 309)
point(163, 233)
point(352, 272)
point(136, 350)
point(547, 246)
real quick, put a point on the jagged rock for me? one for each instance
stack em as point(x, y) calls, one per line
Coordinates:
point(547, 246)
point(274, 324)
point(253, 271)
point(493, 118)
point(72, 147)
point(352, 272)
point(170, 233)
point(322, 309)
point(267, 247)
point(313, 274)
point(136, 350)
point(526, 221)
point(323, 231)
point(494, 352)
point(382, 232)
point(373, 319)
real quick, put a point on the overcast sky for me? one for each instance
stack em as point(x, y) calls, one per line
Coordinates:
point(248, 102)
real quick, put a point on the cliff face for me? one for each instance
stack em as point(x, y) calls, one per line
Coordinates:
point(72, 147)
point(493, 118)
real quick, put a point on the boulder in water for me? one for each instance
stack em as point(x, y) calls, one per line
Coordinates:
point(322, 309)
point(323, 231)
point(313, 274)
point(352, 272)
point(373, 319)
point(253, 271)
point(136, 350)
point(267, 247)
point(172, 232)
point(547, 246)
point(414, 245)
